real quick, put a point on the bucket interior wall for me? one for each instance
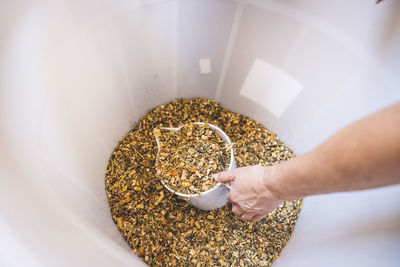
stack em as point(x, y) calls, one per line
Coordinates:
point(76, 75)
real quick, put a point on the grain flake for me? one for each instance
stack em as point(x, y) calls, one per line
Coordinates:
point(188, 158)
point(164, 230)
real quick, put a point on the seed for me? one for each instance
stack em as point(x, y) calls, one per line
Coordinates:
point(183, 150)
point(166, 231)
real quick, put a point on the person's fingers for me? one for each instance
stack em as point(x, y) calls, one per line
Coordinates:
point(237, 210)
point(259, 217)
point(224, 177)
point(229, 197)
point(247, 217)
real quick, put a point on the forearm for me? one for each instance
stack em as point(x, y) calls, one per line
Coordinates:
point(362, 155)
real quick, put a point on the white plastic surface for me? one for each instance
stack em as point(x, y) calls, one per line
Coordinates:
point(76, 74)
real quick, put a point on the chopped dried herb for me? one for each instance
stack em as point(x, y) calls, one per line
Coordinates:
point(164, 230)
point(188, 158)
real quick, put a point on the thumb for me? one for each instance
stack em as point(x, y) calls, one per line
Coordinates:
point(224, 177)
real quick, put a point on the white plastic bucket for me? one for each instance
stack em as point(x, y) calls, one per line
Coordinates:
point(76, 74)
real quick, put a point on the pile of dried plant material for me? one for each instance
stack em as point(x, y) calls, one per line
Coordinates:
point(190, 156)
point(164, 230)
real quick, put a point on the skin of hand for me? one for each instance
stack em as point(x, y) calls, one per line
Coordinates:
point(250, 195)
point(364, 154)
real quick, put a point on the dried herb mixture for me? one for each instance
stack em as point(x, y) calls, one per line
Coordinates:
point(188, 157)
point(166, 231)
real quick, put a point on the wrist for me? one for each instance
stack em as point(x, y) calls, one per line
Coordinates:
point(277, 180)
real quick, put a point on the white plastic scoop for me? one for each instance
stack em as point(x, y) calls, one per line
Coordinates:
point(215, 197)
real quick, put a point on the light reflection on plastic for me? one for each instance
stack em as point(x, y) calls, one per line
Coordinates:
point(270, 87)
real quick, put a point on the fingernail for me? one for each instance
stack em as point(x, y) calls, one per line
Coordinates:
point(215, 176)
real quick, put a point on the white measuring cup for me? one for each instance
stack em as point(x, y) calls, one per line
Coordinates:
point(215, 197)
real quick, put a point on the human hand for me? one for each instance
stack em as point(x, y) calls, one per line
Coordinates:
point(251, 195)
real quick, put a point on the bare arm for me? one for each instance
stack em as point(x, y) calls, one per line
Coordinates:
point(363, 155)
